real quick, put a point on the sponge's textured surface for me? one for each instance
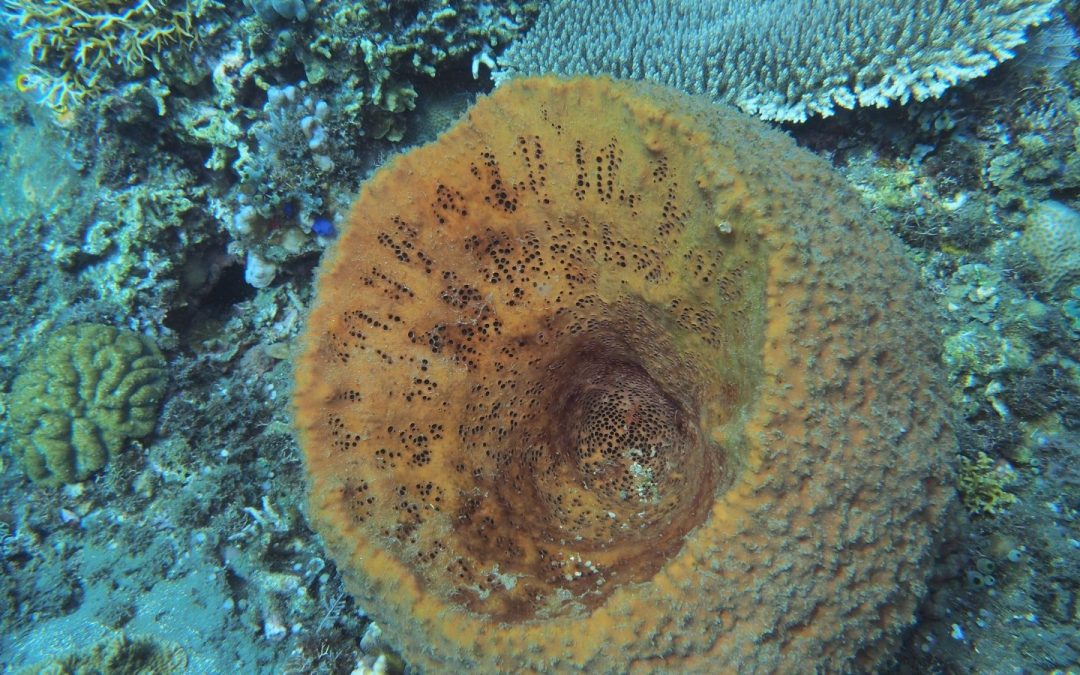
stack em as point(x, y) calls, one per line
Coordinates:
point(87, 390)
point(780, 59)
point(609, 378)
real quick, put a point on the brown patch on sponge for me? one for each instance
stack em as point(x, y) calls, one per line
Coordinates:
point(613, 379)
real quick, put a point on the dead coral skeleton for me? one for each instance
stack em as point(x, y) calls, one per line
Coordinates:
point(333, 605)
point(265, 519)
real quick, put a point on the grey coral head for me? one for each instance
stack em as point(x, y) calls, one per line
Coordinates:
point(273, 10)
point(291, 9)
point(1050, 48)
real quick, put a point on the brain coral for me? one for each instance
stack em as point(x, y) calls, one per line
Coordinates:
point(608, 378)
point(80, 397)
point(1052, 237)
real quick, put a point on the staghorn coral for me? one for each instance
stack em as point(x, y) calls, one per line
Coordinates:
point(80, 397)
point(608, 378)
point(755, 55)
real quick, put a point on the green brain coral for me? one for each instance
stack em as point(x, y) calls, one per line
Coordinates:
point(87, 390)
point(1052, 237)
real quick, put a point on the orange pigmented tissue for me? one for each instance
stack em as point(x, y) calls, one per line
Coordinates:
point(612, 379)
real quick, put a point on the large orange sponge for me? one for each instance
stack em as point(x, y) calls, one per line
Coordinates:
point(612, 379)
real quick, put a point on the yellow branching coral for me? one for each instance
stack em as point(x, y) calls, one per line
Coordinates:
point(982, 484)
point(614, 380)
point(73, 44)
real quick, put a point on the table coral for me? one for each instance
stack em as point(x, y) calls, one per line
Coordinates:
point(781, 59)
point(612, 379)
point(85, 392)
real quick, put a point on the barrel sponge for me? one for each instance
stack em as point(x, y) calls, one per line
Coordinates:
point(612, 379)
point(84, 392)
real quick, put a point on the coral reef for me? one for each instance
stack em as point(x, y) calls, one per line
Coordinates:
point(270, 10)
point(174, 130)
point(991, 339)
point(633, 383)
point(754, 55)
point(957, 179)
point(285, 176)
point(87, 390)
point(1034, 145)
point(298, 159)
point(142, 205)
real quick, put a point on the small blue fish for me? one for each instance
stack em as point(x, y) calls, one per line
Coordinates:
point(324, 228)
